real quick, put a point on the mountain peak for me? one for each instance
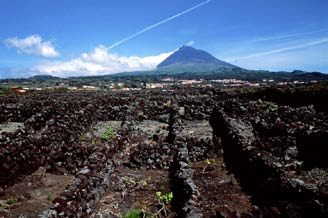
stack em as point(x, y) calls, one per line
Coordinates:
point(187, 58)
point(186, 47)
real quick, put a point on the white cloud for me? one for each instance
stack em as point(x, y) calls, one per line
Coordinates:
point(190, 43)
point(100, 62)
point(32, 45)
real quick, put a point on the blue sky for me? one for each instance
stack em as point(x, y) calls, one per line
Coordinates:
point(66, 37)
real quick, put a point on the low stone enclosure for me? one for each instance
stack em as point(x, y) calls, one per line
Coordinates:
point(278, 154)
point(182, 153)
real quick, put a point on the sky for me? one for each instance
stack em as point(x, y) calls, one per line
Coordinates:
point(94, 37)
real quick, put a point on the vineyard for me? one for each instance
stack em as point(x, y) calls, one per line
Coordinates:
point(196, 152)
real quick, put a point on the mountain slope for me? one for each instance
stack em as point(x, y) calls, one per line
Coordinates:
point(193, 60)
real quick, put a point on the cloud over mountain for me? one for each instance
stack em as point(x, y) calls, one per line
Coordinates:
point(32, 44)
point(98, 62)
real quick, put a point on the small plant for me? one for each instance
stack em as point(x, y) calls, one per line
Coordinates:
point(164, 199)
point(136, 213)
point(82, 137)
point(108, 133)
point(270, 106)
point(243, 91)
point(93, 142)
point(133, 213)
point(162, 188)
point(50, 197)
point(144, 183)
point(208, 162)
point(130, 180)
point(11, 201)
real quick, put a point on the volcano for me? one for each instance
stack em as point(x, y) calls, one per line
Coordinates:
point(189, 59)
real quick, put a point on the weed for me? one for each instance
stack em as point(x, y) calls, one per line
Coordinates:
point(144, 183)
point(135, 213)
point(11, 201)
point(108, 133)
point(243, 91)
point(82, 137)
point(50, 197)
point(208, 163)
point(270, 106)
point(129, 180)
point(162, 188)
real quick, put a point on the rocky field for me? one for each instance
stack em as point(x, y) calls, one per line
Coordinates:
point(165, 153)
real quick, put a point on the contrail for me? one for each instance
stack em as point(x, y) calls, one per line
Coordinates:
point(288, 35)
point(157, 24)
point(279, 50)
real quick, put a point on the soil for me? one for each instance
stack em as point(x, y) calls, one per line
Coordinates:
point(196, 129)
point(133, 189)
point(11, 126)
point(151, 129)
point(220, 193)
point(100, 127)
point(33, 195)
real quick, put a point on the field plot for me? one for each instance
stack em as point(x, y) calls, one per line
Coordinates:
point(220, 194)
point(184, 153)
point(133, 190)
point(11, 126)
point(34, 194)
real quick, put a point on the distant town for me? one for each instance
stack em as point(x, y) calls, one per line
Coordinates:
point(168, 82)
